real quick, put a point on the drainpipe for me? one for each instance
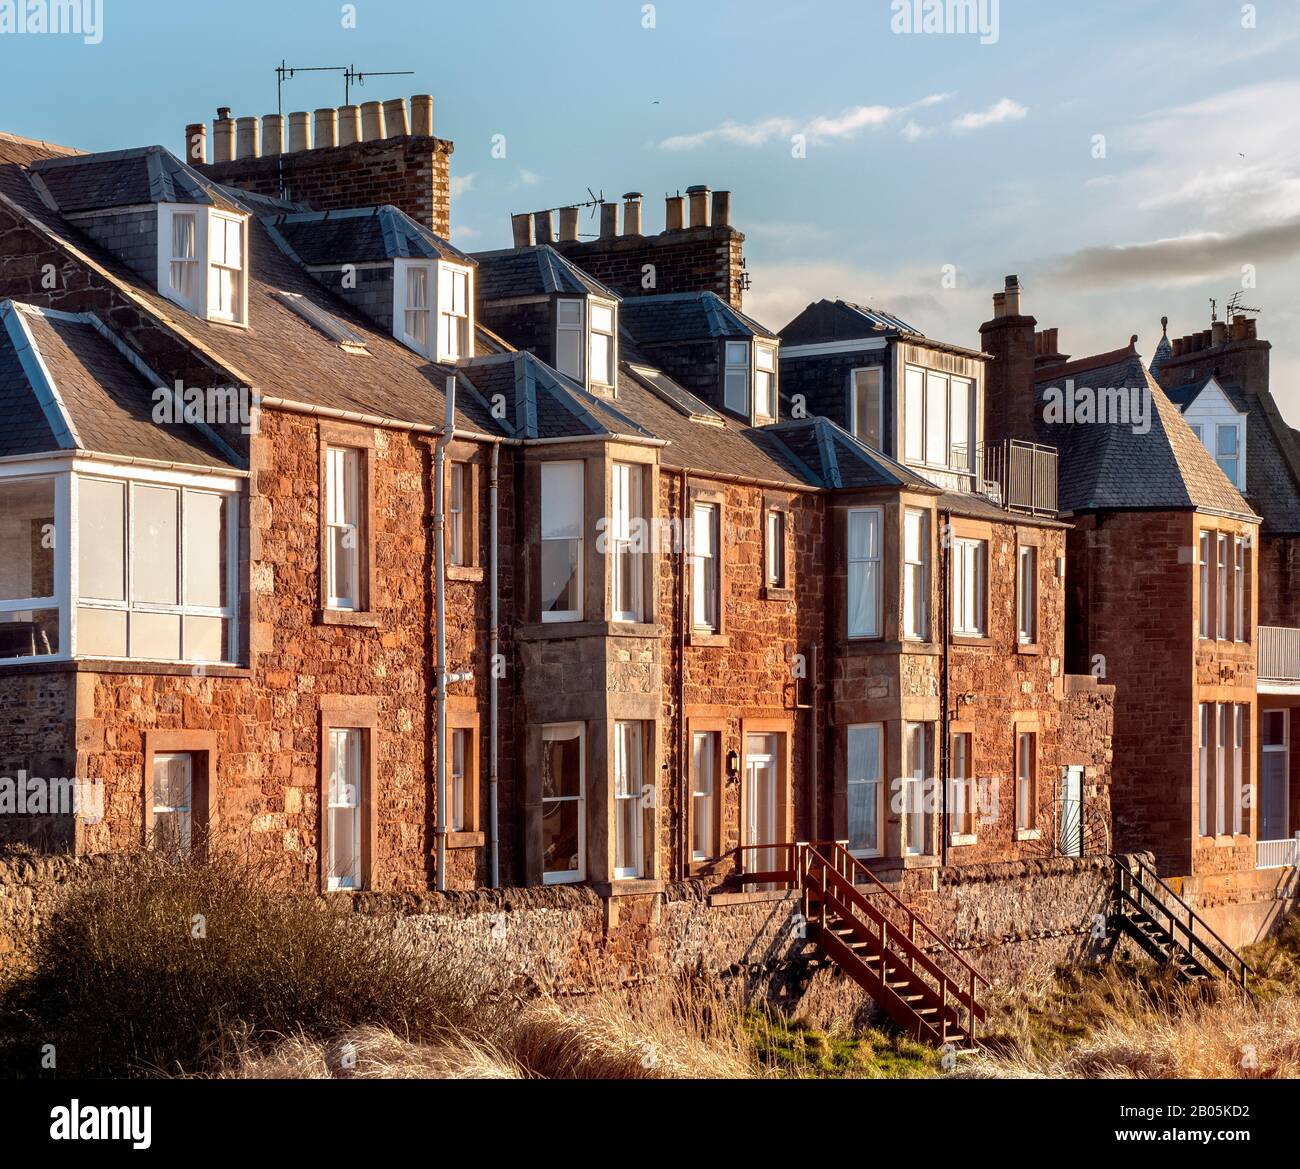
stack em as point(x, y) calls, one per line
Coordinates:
point(814, 743)
point(684, 747)
point(944, 626)
point(440, 622)
point(495, 642)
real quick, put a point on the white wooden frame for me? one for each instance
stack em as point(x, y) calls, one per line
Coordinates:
point(560, 732)
point(876, 849)
point(204, 218)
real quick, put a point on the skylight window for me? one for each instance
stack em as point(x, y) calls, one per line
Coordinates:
point(343, 335)
point(202, 261)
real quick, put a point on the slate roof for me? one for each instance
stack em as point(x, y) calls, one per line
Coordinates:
point(534, 271)
point(1164, 350)
point(359, 236)
point(1106, 466)
point(836, 458)
point(123, 178)
point(1272, 455)
point(840, 320)
point(89, 396)
point(686, 316)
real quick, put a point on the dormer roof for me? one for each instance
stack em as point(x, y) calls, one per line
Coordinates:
point(358, 236)
point(534, 271)
point(687, 316)
point(125, 178)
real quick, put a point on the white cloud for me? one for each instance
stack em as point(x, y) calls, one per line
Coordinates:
point(1005, 110)
point(462, 184)
point(911, 132)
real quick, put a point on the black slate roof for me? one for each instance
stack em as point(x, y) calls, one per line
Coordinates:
point(358, 236)
point(1106, 466)
point(686, 316)
point(123, 178)
point(836, 458)
point(534, 271)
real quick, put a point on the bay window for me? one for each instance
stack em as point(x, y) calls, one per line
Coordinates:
point(969, 576)
point(705, 568)
point(864, 584)
point(30, 619)
point(562, 541)
point(866, 769)
point(629, 800)
point(916, 575)
point(433, 308)
point(918, 739)
point(627, 576)
point(564, 804)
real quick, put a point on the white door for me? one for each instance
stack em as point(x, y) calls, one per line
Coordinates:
point(760, 801)
point(1072, 810)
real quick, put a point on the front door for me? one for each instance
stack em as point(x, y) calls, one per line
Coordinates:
point(1072, 810)
point(760, 801)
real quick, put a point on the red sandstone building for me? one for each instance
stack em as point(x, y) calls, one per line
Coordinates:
point(706, 589)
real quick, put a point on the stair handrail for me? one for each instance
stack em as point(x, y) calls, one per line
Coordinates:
point(841, 848)
point(1192, 915)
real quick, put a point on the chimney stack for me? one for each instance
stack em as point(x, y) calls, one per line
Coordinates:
point(608, 220)
point(196, 143)
point(299, 131)
point(372, 121)
point(1010, 402)
point(543, 227)
point(325, 127)
point(1219, 332)
point(721, 208)
point(397, 121)
point(522, 228)
point(223, 137)
point(422, 115)
point(1013, 296)
point(699, 201)
point(999, 305)
point(568, 224)
point(632, 213)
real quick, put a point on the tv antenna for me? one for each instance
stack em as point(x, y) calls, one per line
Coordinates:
point(351, 74)
point(1235, 306)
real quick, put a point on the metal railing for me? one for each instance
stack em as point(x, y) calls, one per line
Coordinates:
point(1279, 654)
point(1277, 854)
point(1020, 476)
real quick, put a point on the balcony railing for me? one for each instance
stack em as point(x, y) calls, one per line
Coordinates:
point(1279, 654)
point(1020, 476)
point(1277, 854)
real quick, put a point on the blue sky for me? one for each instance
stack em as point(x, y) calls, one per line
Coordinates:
point(923, 151)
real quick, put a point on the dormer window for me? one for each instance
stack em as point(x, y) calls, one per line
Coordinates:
point(736, 385)
point(416, 309)
point(570, 325)
point(1227, 451)
point(1221, 427)
point(749, 380)
point(586, 341)
point(202, 257)
point(602, 344)
point(765, 382)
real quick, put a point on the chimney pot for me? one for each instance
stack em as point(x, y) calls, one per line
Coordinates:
point(397, 119)
point(1219, 332)
point(223, 139)
point(223, 113)
point(248, 138)
point(372, 121)
point(1012, 296)
point(1252, 329)
point(272, 135)
point(675, 216)
point(196, 143)
point(999, 304)
point(699, 201)
point(568, 224)
point(608, 220)
point(326, 127)
point(422, 115)
point(543, 227)
point(299, 131)
point(349, 125)
point(632, 213)
point(522, 227)
point(1178, 347)
point(721, 208)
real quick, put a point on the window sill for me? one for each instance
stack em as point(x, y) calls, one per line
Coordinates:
point(466, 839)
point(961, 840)
point(703, 638)
point(972, 641)
point(628, 887)
point(564, 630)
point(1029, 649)
point(772, 593)
point(10, 667)
point(1029, 834)
point(465, 572)
point(354, 618)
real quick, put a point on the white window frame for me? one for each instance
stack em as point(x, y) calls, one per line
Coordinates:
point(738, 370)
point(627, 495)
point(575, 614)
point(569, 328)
point(1235, 457)
point(1205, 719)
point(406, 313)
point(1205, 555)
point(629, 798)
point(206, 221)
point(457, 490)
point(1238, 766)
point(1026, 780)
point(963, 799)
point(706, 568)
point(64, 563)
point(346, 746)
point(705, 745)
point(457, 779)
point(455, 312)
point(1239, 619)
point(916, 576)
point(1027, 594)
point(184, 485)
point(562, 732)
point(348, 462)
point(774, 555)
point(184, 810)
point(1223, 582)
point(858, 568)
point(766, 405)
point(611, 372)
point(874, 388)
point(969, 588)
point(914, 813)
point(878, 783)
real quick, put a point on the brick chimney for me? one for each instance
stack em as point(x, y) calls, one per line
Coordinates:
point(1230, 350)
point(334, 159)
point(698, 251)
point(1009, 338)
